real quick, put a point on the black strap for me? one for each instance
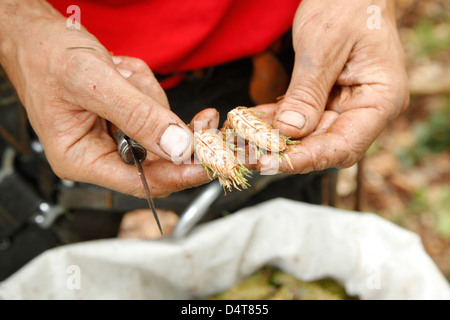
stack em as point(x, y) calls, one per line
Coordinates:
point(18, 203)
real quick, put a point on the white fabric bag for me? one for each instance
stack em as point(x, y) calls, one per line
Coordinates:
point(371, 257)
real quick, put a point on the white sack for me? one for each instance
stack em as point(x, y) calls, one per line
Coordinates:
point(371, 257)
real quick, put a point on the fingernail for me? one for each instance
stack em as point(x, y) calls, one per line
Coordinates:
point(211, 122)
point(116, 60)
point(174, 141)
point(124, 72)
point(292, 118)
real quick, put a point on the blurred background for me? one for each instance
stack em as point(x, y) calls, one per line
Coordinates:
point(405, 175)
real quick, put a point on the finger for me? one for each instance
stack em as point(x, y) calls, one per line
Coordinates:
point(269, 109)
point(175, 177)
point(317, 66)
point(94, 158)
point(328, 118)
point(137, 72)
point(163, 177)
point(140, 75)
point(205, 119)
point(340, 146)
point(390, 100)
point(98, 87)
point(266, 112)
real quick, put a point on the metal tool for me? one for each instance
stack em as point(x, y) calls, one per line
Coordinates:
point(132, 152)
point(197, 209)
point(212, 193)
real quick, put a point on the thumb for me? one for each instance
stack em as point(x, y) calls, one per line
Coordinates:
point(140, 116)
point(317, 65)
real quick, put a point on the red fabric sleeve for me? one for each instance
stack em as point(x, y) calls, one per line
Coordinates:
point(180, 35)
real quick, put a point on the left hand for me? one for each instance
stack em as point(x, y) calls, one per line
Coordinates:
point(349, 81)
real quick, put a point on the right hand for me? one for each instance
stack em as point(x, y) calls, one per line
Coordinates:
point(69, 93)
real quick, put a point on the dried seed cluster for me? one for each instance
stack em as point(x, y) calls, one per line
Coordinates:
point(253, 129)
point(259, 133)
point(219, 161)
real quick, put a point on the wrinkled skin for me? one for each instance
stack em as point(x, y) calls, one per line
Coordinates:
point(68, 94)
point(348, 83)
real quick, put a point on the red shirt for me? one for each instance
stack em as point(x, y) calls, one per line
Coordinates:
point(180, 35)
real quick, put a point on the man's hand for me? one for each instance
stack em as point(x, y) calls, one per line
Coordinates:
point(70, 84)
point(349, 81)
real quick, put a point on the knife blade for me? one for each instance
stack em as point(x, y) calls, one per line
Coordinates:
point(138, 165)
point(132, 152)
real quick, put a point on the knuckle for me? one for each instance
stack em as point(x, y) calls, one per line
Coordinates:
point(135, 190)
point(59, 172)
point(149, 83)
point(406, 103)
point(319, 160)
point(346, 160)
point(325, 157)
point(139, 64)
point(395, 103)
point(137, 117)
point(81, 62)
point(136, 64)
point(154, 85)
point(309, 94)
point(180, 183)
point(406, 96)
point(349, 156)
point(59, 167)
